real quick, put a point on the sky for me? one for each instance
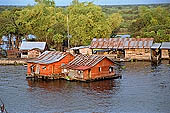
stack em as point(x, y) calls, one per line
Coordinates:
point(98, 2)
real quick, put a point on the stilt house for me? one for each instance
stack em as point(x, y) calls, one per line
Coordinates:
point(85, 67)
point(48, 64)
point(165, 50)
point(32, 49)
point(123, 48)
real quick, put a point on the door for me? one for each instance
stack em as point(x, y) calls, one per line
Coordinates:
point(37, 70)
point(89, 73)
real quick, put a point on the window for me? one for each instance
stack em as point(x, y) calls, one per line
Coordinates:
point(65, 70)
point(44, 67)
point(25, 53)
point(79, 72)
point(110, 69)
point(100, 69)
point(62, 64)
point(146, 50)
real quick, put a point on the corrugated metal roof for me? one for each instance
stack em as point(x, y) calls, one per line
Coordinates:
point(32, 45)
point(121, 43)
point(156, 46)
point(49, 57)
point(80, 47)
point(83, 62)
point(165, 45)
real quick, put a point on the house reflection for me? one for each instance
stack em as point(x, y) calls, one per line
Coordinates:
point(60, 85)
point(102, 86)
point(46, 85)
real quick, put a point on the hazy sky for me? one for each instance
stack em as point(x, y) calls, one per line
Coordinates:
point(98, 2)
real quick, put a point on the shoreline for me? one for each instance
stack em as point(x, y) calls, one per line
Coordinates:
point(5, 61)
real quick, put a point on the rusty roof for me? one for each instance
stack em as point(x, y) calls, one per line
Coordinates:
point(83, 62)
point(49, 57)
point(121, 43)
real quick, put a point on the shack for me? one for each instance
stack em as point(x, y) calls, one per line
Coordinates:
point(89, 67)
point(13, 53)
point(48, 64)
point(32, 49)
point(165, 50)
point(138, 48)
point(156, 52)
point(81, 50)
point(123, 48)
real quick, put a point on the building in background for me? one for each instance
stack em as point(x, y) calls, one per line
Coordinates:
point(32, 49)
point(123, 48)
point(165, 50)
point(85, 50)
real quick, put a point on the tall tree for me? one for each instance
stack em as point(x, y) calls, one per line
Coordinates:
point(153, 23)
point(87, 21)
point(9, 27)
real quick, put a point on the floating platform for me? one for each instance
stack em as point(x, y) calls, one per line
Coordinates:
point(62, 76)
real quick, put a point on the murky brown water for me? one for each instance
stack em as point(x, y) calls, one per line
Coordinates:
point(144, 88)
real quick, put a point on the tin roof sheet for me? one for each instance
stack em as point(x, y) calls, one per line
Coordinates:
point(80, 47)
point(32, 45)
point(165, 45)
point(83, 62)
point(156, 46)
point(49, 57)
point(120, 43)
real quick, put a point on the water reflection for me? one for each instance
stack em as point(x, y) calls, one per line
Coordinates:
point(58, 85)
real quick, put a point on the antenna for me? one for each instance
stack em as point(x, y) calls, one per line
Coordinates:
point(68, 32)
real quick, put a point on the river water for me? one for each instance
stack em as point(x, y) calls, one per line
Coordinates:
point(144, 88)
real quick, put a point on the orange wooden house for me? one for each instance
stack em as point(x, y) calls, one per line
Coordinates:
point(48, 64)
point(89, 67)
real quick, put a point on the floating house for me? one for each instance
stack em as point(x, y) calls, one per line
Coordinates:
point(85, 50)
point(48, 64)
point(32, 49)
point(89, 67)
point(123, 48)
point(165, 50)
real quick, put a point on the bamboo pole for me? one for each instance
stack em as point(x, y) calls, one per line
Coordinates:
point(3, 105)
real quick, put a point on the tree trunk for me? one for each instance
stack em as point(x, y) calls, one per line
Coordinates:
point(17, 42)
point(12, 41)
point(26, 37)
point(9, 41)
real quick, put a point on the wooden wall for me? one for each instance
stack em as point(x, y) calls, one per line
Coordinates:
point(95, 73)
point(85, 51)
point(139, 54)
point(33, 53)
point(164, 54)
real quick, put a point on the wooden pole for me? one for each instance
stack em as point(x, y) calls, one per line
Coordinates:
point(3, 105)
point(68, 34)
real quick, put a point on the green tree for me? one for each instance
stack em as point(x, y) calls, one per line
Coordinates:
point(9, 27)
point(153, 23)
point(87, 21)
